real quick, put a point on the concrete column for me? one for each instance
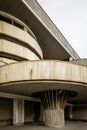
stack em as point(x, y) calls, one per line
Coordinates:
point(70, 112)
point(54, 118)
point(54, 103)
point(18, 112)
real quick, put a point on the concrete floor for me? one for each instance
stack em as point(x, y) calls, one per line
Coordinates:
point(70, 125)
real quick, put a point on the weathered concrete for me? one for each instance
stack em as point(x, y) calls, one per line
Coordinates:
point(54, 118)
point(80, 61)
point(54, 75)
point(53, 103)
point(49, 37)
point(48, 24)
point(18, 112)
point(21, 38)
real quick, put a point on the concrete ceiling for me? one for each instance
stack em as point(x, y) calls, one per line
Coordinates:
point(52, 42)
point(27, 88)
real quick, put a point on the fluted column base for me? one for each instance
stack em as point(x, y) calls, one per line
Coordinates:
point(54, 118)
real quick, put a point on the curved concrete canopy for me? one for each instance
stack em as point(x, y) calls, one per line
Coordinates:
point(30, 77)
point(49, 37)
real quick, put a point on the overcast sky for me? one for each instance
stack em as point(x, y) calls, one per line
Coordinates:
point(70, 16)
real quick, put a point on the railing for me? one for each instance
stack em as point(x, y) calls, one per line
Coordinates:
point(16, 22)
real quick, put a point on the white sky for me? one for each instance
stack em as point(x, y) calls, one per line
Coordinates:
point(70, 16)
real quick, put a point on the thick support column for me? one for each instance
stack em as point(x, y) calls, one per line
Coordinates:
point(18, 111)
point(54, 104)
point(54, 118)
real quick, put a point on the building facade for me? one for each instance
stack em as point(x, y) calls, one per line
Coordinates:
point(42, 78)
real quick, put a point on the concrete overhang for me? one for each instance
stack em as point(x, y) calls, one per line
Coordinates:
point(27, 78)
point(15, 96)
point(52, 42)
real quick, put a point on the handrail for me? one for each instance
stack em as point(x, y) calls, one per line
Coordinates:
point(17, 21)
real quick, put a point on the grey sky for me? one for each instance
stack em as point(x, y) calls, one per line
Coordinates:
point(70, 16)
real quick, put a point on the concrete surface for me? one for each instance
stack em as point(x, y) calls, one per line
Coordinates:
point(48, 36)
point(54, 118)
point(26, 78)
point(70, 125)
point(81, 61)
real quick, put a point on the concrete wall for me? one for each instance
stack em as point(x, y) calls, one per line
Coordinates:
point(32, 111)
point(76, 112)
point(79, 112)
point(6, 111)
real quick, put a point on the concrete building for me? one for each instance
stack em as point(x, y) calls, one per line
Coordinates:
point(42, 78)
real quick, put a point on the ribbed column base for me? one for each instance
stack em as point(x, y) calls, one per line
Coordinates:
point(54, 102)
point(54, 118)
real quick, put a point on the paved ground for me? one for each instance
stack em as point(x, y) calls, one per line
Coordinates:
point(70, 125)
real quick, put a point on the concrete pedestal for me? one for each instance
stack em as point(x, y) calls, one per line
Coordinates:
point(54, 103)
point(54, 118)
point(18, 112)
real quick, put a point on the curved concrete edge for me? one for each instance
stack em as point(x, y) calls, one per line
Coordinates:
point(2, 63)
point(43, 70)
point(7, 60)
point(9, 30)
point(14, 19)
point(81, 61)
point(16, 50)
point(45, 21)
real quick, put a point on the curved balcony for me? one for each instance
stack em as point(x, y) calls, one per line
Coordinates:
point(16, 22)
point(13, 33)
point(15, 51)
point(35, 76)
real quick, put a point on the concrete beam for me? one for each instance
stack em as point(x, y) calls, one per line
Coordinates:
point(13, 96)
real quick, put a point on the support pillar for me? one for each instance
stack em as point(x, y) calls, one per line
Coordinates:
point(54, 103)
point(54, 118)
point(18, 112)
point(70, 112)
